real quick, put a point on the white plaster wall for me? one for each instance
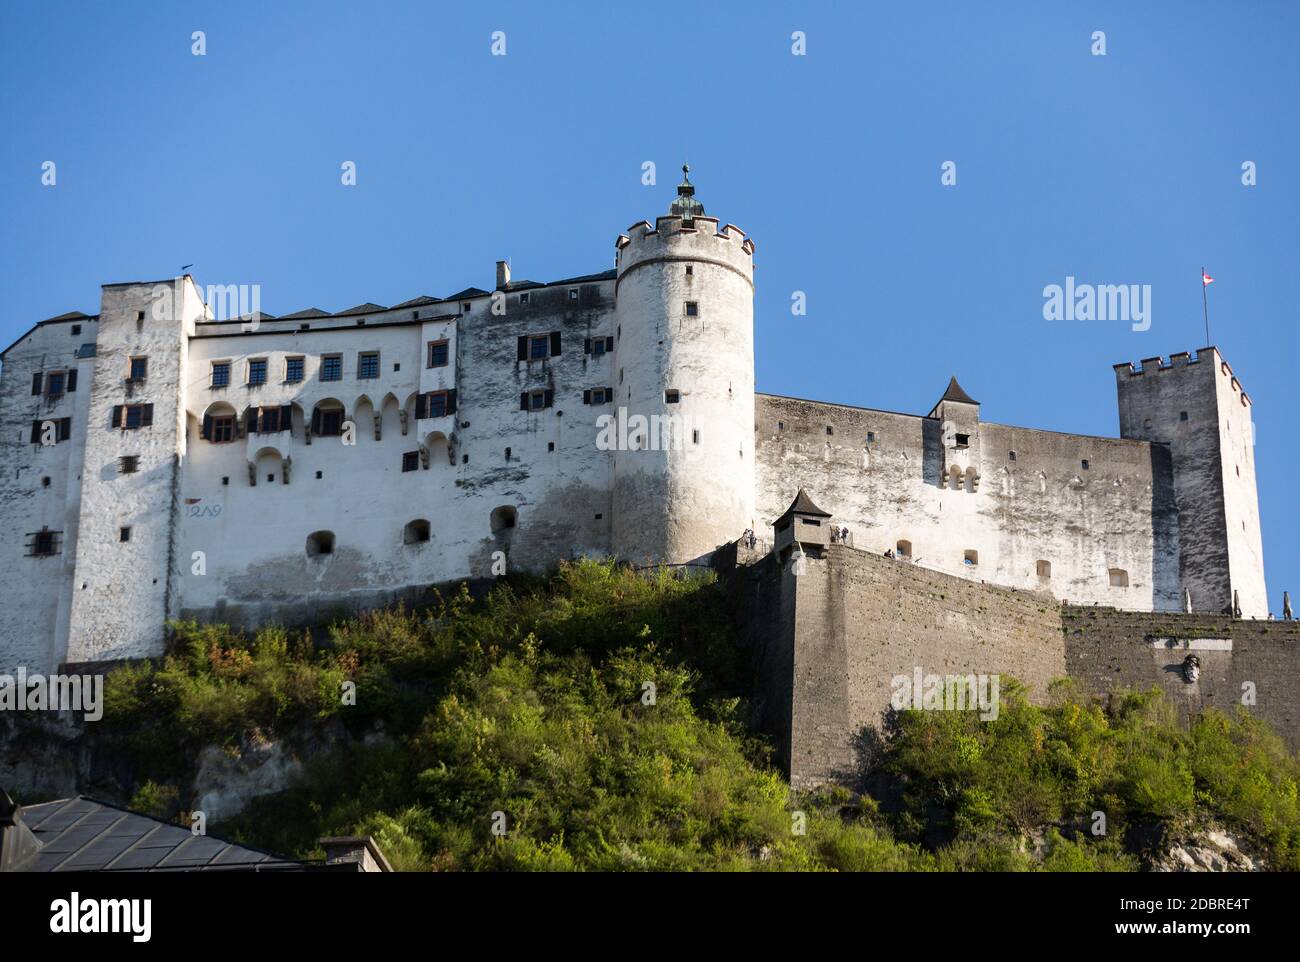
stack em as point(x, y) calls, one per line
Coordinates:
point(1241, 498)
point(33, 619)
point(679, 504)
point(1042, 506)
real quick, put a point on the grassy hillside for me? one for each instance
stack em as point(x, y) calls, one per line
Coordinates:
point(532, 711)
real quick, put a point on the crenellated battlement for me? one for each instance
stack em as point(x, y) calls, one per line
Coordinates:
point(1156, 365)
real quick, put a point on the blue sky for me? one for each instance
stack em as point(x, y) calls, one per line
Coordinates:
point(1116, 169)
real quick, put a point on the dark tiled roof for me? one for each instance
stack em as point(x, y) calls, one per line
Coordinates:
point(84, 835)
point(467, 292)
point(417, 301)
point(955, 393)
point(802, 504)
point(366, 308)
point(302, 315)
point(70, 316)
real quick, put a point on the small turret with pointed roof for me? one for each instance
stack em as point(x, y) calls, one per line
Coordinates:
point(953, 394)
point(803, 523)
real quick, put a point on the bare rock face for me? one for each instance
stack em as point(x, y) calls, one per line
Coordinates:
point(228, 779)
point(1205, 850)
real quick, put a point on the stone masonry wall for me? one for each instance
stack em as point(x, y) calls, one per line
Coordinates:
point(1107, 650)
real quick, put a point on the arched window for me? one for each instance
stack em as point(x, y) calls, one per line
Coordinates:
point(220, 424)
point(503, 519)
point(415, 531)
point(320, 543)
point(327, 419)
point(903, 549)
point(1044, 569)
point(1118, 578)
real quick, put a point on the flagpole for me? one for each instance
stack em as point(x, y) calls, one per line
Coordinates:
point(1205, 306)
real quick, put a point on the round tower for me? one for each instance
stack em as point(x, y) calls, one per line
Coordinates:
point(684, 385)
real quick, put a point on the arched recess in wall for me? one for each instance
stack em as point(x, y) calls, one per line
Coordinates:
point(363, 412)
point(954, 478)
point(1043, 569)
point(439, 448)
point(269, 466)
point(390, 411)
point(903, 549)
point(504, 519)
point(219, 423)
point(327, 417)
point(416, 532)
point(1118, 577)
point(320, 544)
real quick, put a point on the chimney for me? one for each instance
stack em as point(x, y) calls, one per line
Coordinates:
point(503, 275)
point(358, 850)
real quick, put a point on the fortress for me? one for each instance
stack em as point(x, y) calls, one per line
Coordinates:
point(160, 462)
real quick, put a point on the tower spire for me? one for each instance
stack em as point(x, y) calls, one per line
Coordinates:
point(686, 206)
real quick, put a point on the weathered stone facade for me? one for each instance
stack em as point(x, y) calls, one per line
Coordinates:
point(289, 466)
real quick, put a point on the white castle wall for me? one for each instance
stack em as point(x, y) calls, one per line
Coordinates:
point(1043, 506)
point(1170, 503)
point(678, 502)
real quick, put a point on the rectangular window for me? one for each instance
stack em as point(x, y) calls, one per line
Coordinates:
point(573, 293)
point(292, 370)
point(36, 382)
point(598, 395)
point(438, 354)
point(128, 464)
point(539, 347)
point(368, 365)
point(331, 367)
point(132, 416)
point(54, 385)
point(536, 400)
point(124, 534)
point(328, 423)
point(222, 430)
point(692, 308)
point(62, 430)
point(963, 440)
point(43, 544)
point(672, 396)
point(139, 368)
point(523, 299)
point(411, 461)
point(257, 371)
point(220, 373)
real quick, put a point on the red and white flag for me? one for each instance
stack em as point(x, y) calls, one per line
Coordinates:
point(1206, 279)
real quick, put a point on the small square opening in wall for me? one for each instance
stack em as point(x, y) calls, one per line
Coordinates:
point(573, 293)
point(692, 308)
point(871, 436)
point(971, 558)
point(319, 475)
point(523, 298)
point(830, 430)
point(1011, 455)
point(690, 270)
point(45, 482)
point(780, 425)
point(1182, 415)
point(128, 464)
point(963, 440)
point(124, 533)
point(1084, 464)
point(695, 436)
point(599, 516)
point(225, 480)
point(672, 396)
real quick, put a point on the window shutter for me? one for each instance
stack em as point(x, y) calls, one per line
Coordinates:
point(451, 401)
point(36, 432)
point(65, 428)
point(421, 406)
point(286, 417)
point(550, 396)
point(72, 380)
point(116, 421)
point(609, 345)
point(205, 432)
point(315, 420)
point(555, 343)
point(37, 378)
point(586, 345)
point(523, 356)
point(523, 401)
point(146, 415)
point(586, 396)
